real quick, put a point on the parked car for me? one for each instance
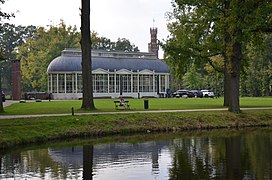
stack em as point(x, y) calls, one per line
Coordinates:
point(207, 93)
point(196, 93)
point(181, 93)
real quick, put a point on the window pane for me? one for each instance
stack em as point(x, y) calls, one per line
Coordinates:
point(135, 83)
point(100, 83)
point(79, 83)
point(146, 83)
point(61, 83)
point(126, 79)
point(117, 83)
point(54, 83)
point(162, 83)
point(111, 83)
point(69, 83)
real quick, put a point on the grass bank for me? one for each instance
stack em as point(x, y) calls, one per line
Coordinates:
point(17, 132)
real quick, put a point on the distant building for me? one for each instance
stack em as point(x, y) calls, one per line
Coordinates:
point(115, 74)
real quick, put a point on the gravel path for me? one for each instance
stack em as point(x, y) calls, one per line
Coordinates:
point(9, 102)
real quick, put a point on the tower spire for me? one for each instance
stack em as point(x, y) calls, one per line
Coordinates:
point(153, 46)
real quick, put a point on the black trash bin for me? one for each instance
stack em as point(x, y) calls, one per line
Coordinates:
point(146, 104)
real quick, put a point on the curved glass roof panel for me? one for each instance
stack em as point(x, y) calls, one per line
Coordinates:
point(72, 63)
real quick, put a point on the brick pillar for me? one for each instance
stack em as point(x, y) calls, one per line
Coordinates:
point(16, 80)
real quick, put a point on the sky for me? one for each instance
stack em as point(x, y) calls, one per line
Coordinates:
point(113, 19)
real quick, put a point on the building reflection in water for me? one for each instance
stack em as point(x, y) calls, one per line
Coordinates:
point(95, 159)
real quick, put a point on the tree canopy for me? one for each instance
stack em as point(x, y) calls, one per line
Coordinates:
point(36, 47)
point(40, 49)
point(5, 15)
point(103, 43)
point(201, 29)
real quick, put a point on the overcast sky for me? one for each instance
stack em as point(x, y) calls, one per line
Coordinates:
point(129, 19)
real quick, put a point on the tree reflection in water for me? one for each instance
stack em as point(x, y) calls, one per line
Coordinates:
point(88, 162)
point(231, 154)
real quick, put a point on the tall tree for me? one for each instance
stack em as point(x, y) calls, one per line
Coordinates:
point(257, 79)
point(204, 28)
point(125, 45)
point(3, 15)
point(40, 49)
point(103, 43)
point(11, 37)
point(87, 100)
point(192, 78)
point(1, 101)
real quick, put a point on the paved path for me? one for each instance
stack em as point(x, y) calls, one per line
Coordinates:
point(127, 112)
point(9, 102)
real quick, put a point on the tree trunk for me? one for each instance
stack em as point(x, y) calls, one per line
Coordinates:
point(234, 159)
point(88, 162)
point(87, 99)
point(234, 101)
point(235, 65)
point(1, 102)
point(226, 86)
point(233, 58)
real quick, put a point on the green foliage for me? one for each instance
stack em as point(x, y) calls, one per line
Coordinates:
point(257, 78)
point(2, 57)
point(125, 45)
point(100, 43)
point(4, 15)
point(194, 36)
point(214, 78)
point(11, 37)
point(103, 43)
point(36, 48)
point(39, 50)
point(201, 29)
point(198, 29)
point(192, 79)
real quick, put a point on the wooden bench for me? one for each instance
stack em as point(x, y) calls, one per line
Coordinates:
point(118, 104)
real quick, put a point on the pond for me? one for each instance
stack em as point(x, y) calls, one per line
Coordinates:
point(217, 154)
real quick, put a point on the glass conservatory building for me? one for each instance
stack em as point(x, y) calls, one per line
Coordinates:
point(115, 74)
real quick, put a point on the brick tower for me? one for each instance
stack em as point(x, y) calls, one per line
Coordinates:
point(153, 46)
point(16, 80)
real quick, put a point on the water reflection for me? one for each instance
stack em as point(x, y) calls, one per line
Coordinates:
point(210, 155)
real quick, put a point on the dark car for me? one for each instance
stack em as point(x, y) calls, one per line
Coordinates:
point(196, 93)
point(181, 93)
point(191, 94)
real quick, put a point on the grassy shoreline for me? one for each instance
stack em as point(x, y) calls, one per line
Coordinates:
point(18, 132)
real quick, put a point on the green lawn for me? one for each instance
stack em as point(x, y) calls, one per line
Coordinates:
point(107, 105)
